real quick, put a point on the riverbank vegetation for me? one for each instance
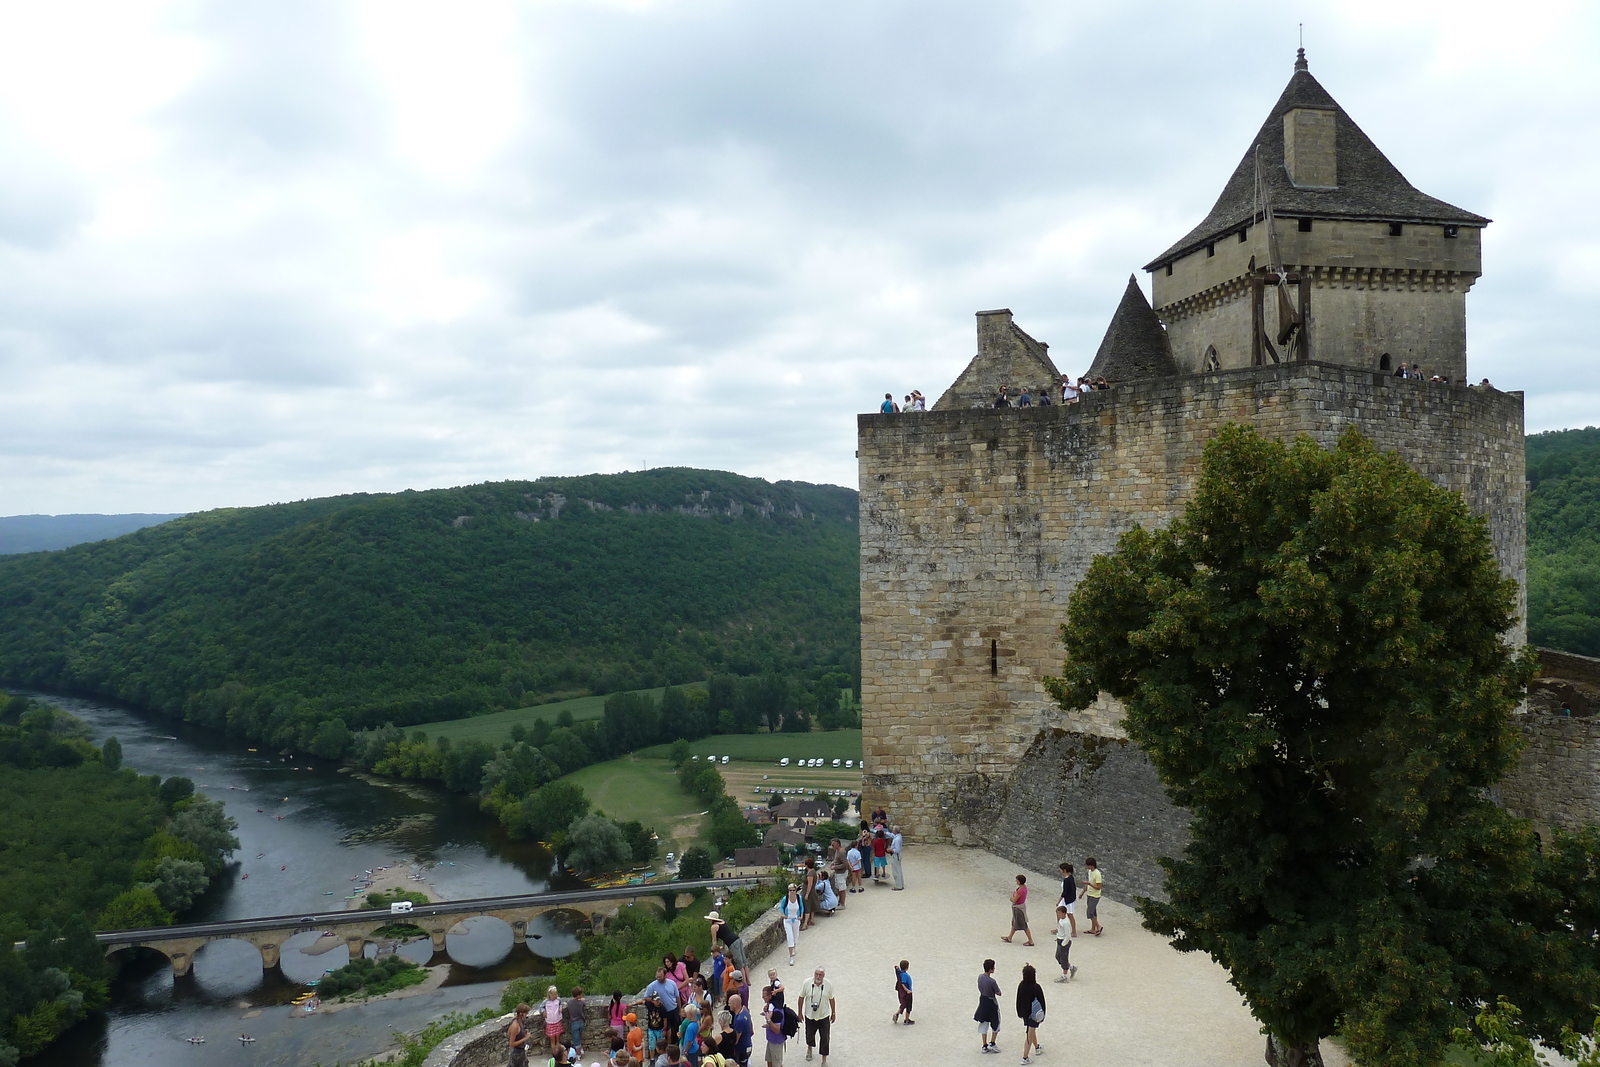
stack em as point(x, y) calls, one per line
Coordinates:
point(1564, 540)
point(84, 844)
point(371, 978)
point(298, 624)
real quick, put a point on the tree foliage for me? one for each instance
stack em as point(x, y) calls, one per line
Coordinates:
point(596, 844)
point(1564, 540)
point(1311, 656)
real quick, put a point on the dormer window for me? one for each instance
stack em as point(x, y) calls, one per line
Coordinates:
point(1450, 231)
point(1396, 229)
point(1305, 225)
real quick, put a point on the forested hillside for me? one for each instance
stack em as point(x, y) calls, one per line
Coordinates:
point(1564, 540)
point(421, 606)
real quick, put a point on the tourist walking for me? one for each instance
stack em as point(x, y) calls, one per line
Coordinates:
point(518, 1035)
point(988, 1014)
point(1064, 945)
point(902, 989)
point(792, 908)
point(819, 1012)
point(1069, 895)
point(721, 931)
point(1019, 911)
point(1094, 884)
point(1030, 1009)
point(897, 844)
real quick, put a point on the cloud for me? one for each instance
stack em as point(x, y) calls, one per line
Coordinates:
point(254, 252)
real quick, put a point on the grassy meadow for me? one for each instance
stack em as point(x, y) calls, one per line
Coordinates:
point(645, 789)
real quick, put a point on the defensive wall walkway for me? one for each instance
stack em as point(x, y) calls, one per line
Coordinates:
point(268, 934)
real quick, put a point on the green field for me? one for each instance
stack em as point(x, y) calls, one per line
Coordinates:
point(769, 748)
point(647, 790)
point(496, 726)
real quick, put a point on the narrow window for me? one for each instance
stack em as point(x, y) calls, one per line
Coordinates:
point(1242, 234)
point(1305, 225)
point(1169, 270)
point(1449, 231)
point(994, 657)
point(1396, 229)
point(1385, 363)
point(1212, 362)
point(1211, 249)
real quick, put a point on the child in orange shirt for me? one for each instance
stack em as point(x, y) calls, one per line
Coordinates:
point(635, 1037)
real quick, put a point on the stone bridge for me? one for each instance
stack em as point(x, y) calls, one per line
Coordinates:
point(268, 934)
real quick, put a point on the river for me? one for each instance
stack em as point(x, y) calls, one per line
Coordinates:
point(306, 826)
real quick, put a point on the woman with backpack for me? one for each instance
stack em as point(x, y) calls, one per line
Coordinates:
point(1030, 1009)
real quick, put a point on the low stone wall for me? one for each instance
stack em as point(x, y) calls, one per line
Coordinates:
point(484, 1045)
point(1565, 679)
point(1556, 783)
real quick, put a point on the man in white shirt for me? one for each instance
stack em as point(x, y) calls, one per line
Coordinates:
point(852, 860)
point(1069, 390)
point(896, 843)
point(819, 1011)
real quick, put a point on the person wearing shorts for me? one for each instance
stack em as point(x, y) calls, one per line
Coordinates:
point(1069, 896)
point(988, 1014)
point(902, 988)
point(880, 855)
point(1094, 885)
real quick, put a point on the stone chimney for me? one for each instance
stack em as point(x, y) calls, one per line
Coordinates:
point(1310, 155)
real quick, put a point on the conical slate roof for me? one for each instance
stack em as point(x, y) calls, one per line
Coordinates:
point(1135, 344)
point(1370, 187)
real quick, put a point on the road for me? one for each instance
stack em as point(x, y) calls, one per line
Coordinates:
point(443, 907)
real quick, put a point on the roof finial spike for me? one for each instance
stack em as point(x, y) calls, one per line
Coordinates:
point(1300, 54)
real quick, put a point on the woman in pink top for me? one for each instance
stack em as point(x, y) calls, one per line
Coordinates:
point(1019, 911)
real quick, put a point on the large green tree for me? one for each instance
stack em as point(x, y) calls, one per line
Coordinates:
point(1313, 657)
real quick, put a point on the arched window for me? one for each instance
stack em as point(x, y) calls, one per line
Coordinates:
point(1385, 363)
point(1212, 362)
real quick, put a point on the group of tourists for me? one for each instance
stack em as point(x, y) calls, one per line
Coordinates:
point(914, 401)
point(1067, 391)
point(1414, 372)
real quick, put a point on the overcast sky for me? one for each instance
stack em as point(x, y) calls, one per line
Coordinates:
point(262, 251)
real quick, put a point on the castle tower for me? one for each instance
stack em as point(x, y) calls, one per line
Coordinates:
point(1381, 269)
point(978, 522)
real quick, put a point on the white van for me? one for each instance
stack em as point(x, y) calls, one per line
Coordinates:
point(784, 762)
point(400, 907)
point(836, 763)
point(724, 759)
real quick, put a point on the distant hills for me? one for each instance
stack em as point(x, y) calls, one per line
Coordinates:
point(420, 606)
point(1564, 540)
point(41, 533)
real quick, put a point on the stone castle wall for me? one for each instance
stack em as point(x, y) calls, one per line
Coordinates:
point(976, 525)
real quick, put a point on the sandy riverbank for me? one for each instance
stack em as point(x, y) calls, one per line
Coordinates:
point(399, 876)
